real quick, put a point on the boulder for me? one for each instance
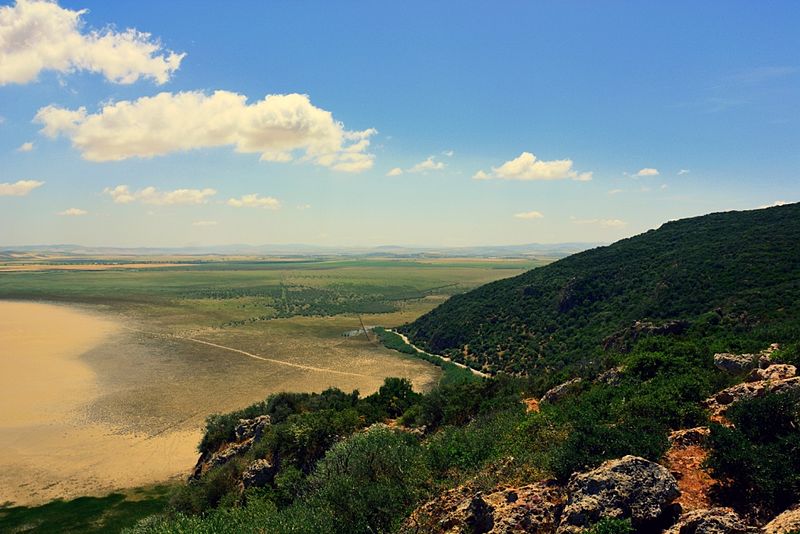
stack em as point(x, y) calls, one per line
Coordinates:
point(711, 521)
point(560, 391)
point(530, 508)
point(735, 363)
point(628, 487)
point(719, 403)
point(226, 453)
point(259, 473)
point(251, 428)
point(776, 371)
point(788, 521)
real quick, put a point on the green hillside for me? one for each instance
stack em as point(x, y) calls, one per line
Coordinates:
point(737, 270)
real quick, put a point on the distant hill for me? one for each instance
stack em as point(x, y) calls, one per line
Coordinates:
point(737, 269)
point(554, 250)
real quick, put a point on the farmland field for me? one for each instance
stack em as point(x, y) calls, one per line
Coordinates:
point(206, 337)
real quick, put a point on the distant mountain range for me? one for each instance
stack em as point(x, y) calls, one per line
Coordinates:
point(555, 250)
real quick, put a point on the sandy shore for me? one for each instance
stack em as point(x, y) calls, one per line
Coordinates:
point(49, 449)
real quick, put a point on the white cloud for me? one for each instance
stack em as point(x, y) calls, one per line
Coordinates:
point(37, 35)
point(19, 189)
point(204, 223)
point(528, 167)
point(664, 186)
point(529, 215)
point(276, 127)
point(254, 201)
point(604, 223)
point(73, 212)
point(647, 171)
point(615, 191)
point(427, 165)
point(397, 171)
point(150, 195)
point(302, 207)
point(25, 147)
point(683, 171)
point(774, 204)
point(449, 153)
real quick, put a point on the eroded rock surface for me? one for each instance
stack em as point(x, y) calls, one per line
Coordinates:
point(560, 391)
point(711, 521)
point(259, 473)
point(629, 487)
point(788, 521)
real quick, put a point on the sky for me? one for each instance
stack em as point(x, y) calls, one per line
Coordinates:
point(360, 123)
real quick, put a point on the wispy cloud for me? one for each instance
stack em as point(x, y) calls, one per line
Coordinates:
point(38, 36)
point(25, 147)
point(280, 128)
point(683, 171)
point(19, 189)
point(122, 194)
point(254, 200)
point(615, 191)
point(603, 223)
point(73, 212)
point(204, 223)
point(397, 171)
point(449, 153)
point(529, 215)
point(527, 167)
point(647, 171)
point(430, 164)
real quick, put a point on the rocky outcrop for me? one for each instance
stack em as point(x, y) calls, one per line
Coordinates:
point(735, 363)
point(788, 521)
point(560, 391)
point(247, 432)
point(251, 428)
point(629, 487)
point(688, 437)
point(711, 521)
point(259, 473)
point(776, 371)
point(719, 403)
point(530, 508)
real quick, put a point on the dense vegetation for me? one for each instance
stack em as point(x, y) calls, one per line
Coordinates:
point(340, 472)
point(742, 266)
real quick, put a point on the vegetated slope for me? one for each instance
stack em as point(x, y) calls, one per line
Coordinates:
point(740, 268)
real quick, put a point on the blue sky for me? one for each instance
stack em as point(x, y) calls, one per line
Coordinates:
point(705, 94)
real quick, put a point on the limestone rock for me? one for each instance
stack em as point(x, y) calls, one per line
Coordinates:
point(560, 391)
point(251, 428)
point(719, 403)
point(735, 363)
point(689, 437)
point(776, 371)
point(628, 487)
point(711, 521)
point(259, 473)
point(788, 521)
point(530, 508)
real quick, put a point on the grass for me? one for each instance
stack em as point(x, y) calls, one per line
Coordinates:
point(106, 514)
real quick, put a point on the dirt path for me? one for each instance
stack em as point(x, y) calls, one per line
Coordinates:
point(443, 358)
point(248, 354)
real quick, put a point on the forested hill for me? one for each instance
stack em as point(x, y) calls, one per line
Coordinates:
point(725, 272)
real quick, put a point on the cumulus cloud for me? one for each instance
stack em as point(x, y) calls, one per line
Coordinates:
point(25, 147)
point(122, 194)
point(204, 223)
point(37, 35)
point(529, 215)
point(529, 167)
point(428, 165)
point(604, 223)
point(397, 171)
point(254, 200)
point(277, 128)
point(19, 189)
point(647, 171)
point(73, 212)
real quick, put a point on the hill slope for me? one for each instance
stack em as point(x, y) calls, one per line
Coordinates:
point(740, 269)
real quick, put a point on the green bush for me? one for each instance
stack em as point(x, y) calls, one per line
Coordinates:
point(758, 460)
point(611, 526)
